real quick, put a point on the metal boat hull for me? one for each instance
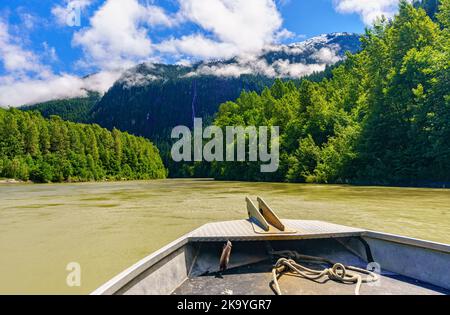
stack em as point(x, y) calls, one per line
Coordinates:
point(190, 265)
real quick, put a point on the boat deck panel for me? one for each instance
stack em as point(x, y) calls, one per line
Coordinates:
point(244, 230)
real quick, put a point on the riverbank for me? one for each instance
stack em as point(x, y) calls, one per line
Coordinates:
point(18, 181)
point(13, 181)
point(422, 184)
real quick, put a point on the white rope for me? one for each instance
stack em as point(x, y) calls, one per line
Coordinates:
point(338, 273)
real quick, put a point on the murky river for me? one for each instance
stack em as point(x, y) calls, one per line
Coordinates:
point(106, 227)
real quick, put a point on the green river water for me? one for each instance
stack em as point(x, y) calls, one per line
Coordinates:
point(106, 227)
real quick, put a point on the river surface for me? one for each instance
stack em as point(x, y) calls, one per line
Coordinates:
point(107, 227)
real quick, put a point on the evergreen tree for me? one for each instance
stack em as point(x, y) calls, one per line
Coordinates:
point(54, 150)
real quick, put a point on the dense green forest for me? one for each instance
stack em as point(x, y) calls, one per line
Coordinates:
point(74, 109)
point(383, 117)
point(53, 150)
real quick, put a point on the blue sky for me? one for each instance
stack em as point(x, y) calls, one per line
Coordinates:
point(40, 45)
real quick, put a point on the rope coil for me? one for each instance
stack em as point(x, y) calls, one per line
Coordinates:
point(338, 272)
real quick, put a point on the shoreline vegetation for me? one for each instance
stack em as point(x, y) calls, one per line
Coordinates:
point(13, 181)
point(428, 185)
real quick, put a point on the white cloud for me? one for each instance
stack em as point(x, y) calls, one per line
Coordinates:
point(237, 27)
point(280, 68)
point(15, 59)
point(296, 70)
point(133, 78)
point(27, 91)
point(155, 16)
point(197, 46)
point(118, 34)
point(319, 50)
point(101, 81)
point(285, 34)
point(369, 10)
point(232, 70)
point(50, 52)
point(249, 24)
point(29, 81)
point(29, 20)
point(62, 13)
point(326, 55)
point(117, 37)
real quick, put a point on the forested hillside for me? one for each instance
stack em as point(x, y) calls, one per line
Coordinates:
point(383, 118)
point(152, 99)
point(74, 109)
point(53, 150)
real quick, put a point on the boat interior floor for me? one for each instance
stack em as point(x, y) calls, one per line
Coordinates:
point(255, 280)
point(254, 276)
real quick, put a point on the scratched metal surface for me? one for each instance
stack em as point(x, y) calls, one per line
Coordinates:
point(245, 230)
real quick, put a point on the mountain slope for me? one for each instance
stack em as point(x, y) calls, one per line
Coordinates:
point(74, 109)
point(153, 108)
